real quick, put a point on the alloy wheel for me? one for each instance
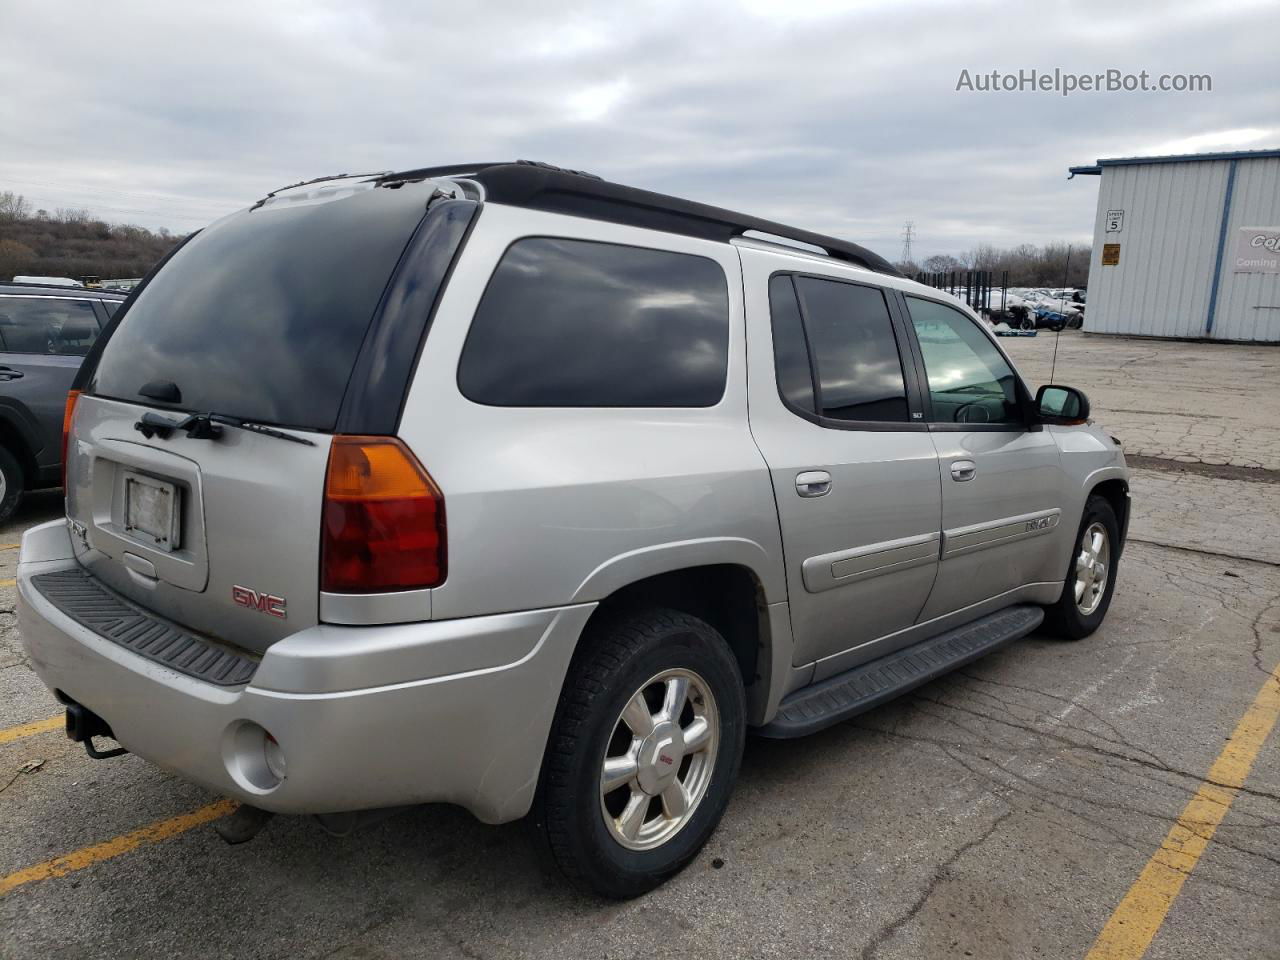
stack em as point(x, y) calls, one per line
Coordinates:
point(1093, 560)
point(659, 760)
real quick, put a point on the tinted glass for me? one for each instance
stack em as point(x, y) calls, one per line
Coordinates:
point(790, 351)
point(111, 306)
point(969, 381)
point(570, 323)
point(47, 325)
point(261, 315)
point(859, 371)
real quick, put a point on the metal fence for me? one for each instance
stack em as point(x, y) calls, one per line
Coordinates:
point(977, 288)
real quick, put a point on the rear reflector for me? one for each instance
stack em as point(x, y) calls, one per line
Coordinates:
point(68, 412)
point(383, 526)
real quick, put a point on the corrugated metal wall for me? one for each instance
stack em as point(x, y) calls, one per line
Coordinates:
point(1172, 213)
point(1169, 248)
point(1249, 303)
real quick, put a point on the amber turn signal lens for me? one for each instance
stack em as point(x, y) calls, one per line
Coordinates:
point(68, 412)
point(383, 524)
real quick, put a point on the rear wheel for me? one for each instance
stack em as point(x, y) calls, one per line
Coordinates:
point(643, 753)
point(1091, 576)
point(11, 484)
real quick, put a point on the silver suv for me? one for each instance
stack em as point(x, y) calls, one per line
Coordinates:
point(508, 487)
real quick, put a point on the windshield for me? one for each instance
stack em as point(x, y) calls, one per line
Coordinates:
point(262, 314)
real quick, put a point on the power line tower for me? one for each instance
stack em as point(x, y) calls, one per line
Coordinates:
point(908, 234)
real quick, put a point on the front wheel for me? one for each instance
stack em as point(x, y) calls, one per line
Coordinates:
point(643, 754)
point(1091, 576)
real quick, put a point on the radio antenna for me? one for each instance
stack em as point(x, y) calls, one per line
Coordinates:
point(1062, 302)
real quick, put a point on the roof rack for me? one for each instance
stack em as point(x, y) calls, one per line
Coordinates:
point(541, 186)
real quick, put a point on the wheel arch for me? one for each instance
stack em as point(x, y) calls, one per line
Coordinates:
point(1115, 490)
point(14, 439)
point(731, 597)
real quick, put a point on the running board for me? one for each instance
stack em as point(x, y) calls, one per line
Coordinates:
point(855, 691)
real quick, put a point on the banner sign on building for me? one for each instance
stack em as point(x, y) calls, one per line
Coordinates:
point(1257, 250)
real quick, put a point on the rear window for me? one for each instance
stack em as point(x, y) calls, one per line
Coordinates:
point(574, 323)
point(261, 315)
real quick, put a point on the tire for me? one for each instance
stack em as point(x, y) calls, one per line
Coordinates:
point(12, 484)
point(633, 660)
point(1072, 619)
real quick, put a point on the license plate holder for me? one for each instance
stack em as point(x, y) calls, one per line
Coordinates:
point(152, 511)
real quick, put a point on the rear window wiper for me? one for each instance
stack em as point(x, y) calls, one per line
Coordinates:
point(207, 426)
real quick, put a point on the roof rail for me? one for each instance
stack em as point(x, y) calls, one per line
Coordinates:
point(541, 186)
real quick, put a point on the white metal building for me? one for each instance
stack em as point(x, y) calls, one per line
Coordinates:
point(1187, 246)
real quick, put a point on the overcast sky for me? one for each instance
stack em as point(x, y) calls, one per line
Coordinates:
point(839, 117)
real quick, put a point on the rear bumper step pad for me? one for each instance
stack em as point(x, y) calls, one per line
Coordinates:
point(848, 694)
point(88, 602)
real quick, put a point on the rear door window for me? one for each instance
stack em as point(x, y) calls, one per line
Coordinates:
point(851, 338)
point(575, 323)
point(47, 325)
point(790, 347)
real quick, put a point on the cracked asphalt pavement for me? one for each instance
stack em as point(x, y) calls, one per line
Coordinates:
point(1001, 812)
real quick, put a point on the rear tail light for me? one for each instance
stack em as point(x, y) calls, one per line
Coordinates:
point(383, 526)
point(68, 412)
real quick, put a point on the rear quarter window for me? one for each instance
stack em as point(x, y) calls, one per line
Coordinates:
point(574, 323)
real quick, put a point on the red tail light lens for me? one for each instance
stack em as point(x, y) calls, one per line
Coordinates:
point(68, 412)
point(383, 526)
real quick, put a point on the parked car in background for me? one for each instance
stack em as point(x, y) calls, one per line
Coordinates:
point(49, 281)
point(696, 481)
point(45, 331)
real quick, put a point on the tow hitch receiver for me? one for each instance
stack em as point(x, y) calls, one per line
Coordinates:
point(83, 725)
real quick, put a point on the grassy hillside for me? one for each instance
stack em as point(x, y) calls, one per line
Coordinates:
point(70, 243)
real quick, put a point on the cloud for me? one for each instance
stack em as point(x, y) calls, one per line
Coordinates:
point(839, 117)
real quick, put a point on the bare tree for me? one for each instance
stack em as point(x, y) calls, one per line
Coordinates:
point(14, 206)
point(942, 263)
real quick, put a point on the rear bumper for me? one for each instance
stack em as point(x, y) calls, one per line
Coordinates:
point(449, 711)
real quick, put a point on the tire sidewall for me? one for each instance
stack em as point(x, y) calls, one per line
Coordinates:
point(606, 864)
point(1075, 624)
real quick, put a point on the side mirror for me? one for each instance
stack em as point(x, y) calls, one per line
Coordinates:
point(1058, 404)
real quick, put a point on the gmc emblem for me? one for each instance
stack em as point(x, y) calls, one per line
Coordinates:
point(262, 602)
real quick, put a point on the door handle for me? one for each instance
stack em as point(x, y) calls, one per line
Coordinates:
point(813, 483)
point(962, 470)
point(8, 373)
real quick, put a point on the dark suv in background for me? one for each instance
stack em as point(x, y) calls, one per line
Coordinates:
point(45, 331)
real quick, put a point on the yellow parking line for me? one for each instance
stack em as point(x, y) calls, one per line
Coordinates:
point(9, 546)
point(8, 583)
point(87, 856)
point(1137, 919)
point(31, 729)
